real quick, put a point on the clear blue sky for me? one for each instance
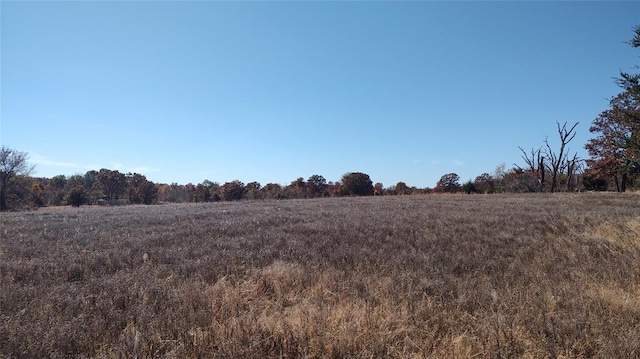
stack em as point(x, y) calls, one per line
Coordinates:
point(271, 91)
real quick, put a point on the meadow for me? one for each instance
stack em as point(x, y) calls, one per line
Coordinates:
point(426, 276)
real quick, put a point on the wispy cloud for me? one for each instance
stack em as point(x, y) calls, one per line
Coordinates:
point(143, 169)
point(447, 162)
point(38, 159)
point(115, 165)
point(41, 160)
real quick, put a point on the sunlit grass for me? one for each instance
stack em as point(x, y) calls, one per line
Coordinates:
point(402, 277)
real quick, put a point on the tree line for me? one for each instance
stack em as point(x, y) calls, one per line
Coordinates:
point(613, 164)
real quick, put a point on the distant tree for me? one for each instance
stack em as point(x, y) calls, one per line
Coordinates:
point(200, 193)
point(73, 181)
point(559, 161)
point(449, 183)
point(148, 192)
point(70, 183)
point(357, 184)
point(143, 190)
point(90, 177)
point(272, 191)
point(165, 193)
point(190, 190)
point(484, 183)
point(173, 193)
point(38, 197)
point(336, 189)
point(77, 196)
point(13, 167)
point(232, 191)
point(520, 181)
point(317, 186)
point(56, 190)
point(378, 189)
point(210, 189)
point(615, 151)
point(113, 183)
point(252, 190)
point(536, 166)
point(469, 187)
point(140, 190)
point(92, 186)
point(296, 189)
point(402, 189)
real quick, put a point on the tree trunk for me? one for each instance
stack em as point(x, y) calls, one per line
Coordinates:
point(3, 200)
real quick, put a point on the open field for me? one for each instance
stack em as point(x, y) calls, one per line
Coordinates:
point(493, 276)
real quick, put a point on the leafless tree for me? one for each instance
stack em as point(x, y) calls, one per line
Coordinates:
point(559, 162)
point(574, 170)
point(535, 162)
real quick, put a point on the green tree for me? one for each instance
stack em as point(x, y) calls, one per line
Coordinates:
point(210, 189)
point(469, 187)
point(13, 168)
point(631, 82)
point(357, 184)
point(77, 196)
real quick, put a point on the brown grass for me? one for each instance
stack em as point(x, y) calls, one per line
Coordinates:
point(495, 276)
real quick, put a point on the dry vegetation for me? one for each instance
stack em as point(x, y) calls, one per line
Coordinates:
point(419, 276)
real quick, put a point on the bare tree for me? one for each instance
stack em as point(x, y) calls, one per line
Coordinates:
point(533, 160)
point(574, 169)
point(13, 164)
point(558, 162)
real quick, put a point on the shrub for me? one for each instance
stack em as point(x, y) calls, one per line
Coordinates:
point(469, 187)
point(77, 197)
point(357, 184)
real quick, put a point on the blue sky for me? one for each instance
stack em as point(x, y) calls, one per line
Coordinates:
point(271, 91)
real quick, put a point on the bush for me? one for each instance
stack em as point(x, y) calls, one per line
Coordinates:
point(592, 183)
point(77, 197)
point(469, 187)
point(357, 184)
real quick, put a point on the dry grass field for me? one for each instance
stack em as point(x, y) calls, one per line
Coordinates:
point(480, 276)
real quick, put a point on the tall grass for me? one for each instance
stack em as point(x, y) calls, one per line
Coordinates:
point(546, 275)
